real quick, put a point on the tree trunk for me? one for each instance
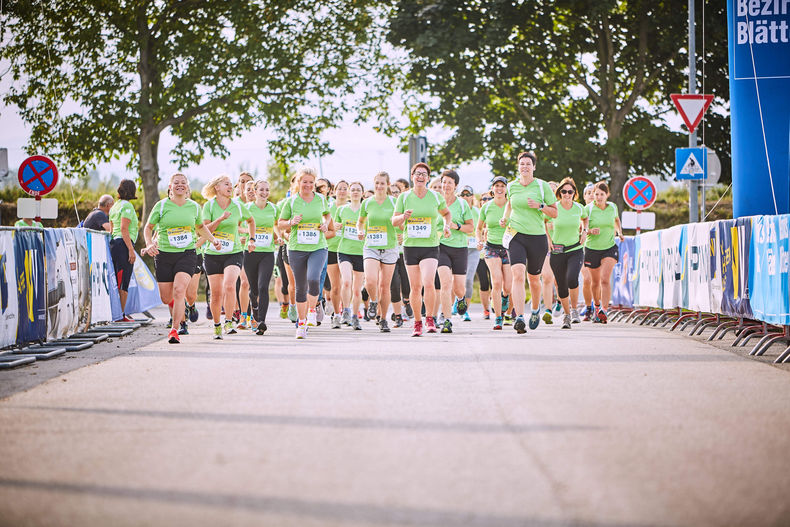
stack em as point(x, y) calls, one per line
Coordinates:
point(149, 170)
point(618, 171)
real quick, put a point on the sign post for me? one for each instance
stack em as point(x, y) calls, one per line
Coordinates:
point(639, 193)
point(38, 176)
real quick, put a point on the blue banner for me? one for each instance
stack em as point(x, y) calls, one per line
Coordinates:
point(624, 273)
point(31, 286)
point(734, 244)
point(143, 289)
point(769, 269)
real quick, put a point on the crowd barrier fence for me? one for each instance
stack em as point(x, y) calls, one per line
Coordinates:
point(730, 275)
point(58, 282)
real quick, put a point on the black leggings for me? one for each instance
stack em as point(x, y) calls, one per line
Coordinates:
point(283, 274)
point(566, 268)
point(484, 275)
point(259, 267)
point(399, 286)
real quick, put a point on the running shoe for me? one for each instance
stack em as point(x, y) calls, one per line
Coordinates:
point(519, 325)
point(301, 331)
point(398, 322)
point(566, 322)
point(486, 314)
point(208, 311)
point(430, 325)
point(383, 326)
point(417, 329)
point(217, 332)
point(601, 316)
point(283, 311)
point(183, 330)
point(355, 323)
point(261, 328)
point(534, 320)
point(292, 316)
point(346, 318)
point(455, 307)
point(229, 329)
point(505, 303)
point(467, 318)
point(372, 306)
point(462, 306)
point(557, 309)
point(319, 313)
point(242, 323)
point(311, 317)
point(447, 326)
point(507, 320)
point(168, 326)
point(586, 315)
point(440, 320)
point(127, 318)
point(364, 314)
point(192, 312)
point(336, 322)
point(409, 310)
point(173, 337)
point(575, 317)
point(236, 316)
point(498, 323)
point(547, 318)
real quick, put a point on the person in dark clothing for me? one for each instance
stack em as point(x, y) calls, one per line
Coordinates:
point(99, 218)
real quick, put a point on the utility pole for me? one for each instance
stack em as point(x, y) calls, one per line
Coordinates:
point(693, 185)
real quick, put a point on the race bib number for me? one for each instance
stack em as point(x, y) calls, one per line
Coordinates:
point(419, 227)
point(350, 231)
point(471, 242)
point(376, 236)
point(179, 237)
point(510, 232)
point(308, 234)
point(263, 237)
point(226, 241)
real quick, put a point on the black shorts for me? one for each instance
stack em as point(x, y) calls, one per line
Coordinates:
point(357, 263)
point(593, 257)
point(216, 263)
point(199, 264)
point(414, 255)
point(331, 258)
point(169, 264)
point(120, 262)
point(454, 257)
point(529, 249)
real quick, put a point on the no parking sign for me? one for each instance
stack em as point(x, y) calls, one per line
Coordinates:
point(38, 175)
point(639, 193)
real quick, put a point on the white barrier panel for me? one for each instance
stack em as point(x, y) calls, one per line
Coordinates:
point(716, 282)
point(101, 309)
point(697, 275)
point(647, 286)
point(672, 242)
point(79, 262)
point(61, 298)
point(9, 304)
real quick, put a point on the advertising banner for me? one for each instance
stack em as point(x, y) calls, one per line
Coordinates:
point(673, 243)
point(696, 268)
point(9, 304)
point(143, 289)
point(112, 284)
point(769, 269)
point(81, 277)
point(647, 286)
point(624, 273)
point(100, 272)
point(734, 244)
point(31, 286)
point(61, 297)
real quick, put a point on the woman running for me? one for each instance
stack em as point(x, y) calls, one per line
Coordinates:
point(601, 252)
point(222, 215)
point(416, 211)
point(178, 220)
point(381, 247)
point(399, 286)
point(243, 286)
point(124, 226)
point(349, 256)
point(547, 275)
point(453, 251)
point(589, 196)
point(332, 267)
point(529, 199)
point(259, 264)
point(286, 273)
point(566, 241)
point(306, 215)
point(491, 231)
point(474, 264)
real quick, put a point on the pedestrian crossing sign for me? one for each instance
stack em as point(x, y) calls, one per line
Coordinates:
point(691, 163)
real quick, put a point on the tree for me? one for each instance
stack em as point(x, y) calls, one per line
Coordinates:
point(585, 84)
point(205, 71)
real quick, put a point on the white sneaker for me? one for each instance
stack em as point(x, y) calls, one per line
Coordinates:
point(301, 331)
point(319, 313)
point(311, 317)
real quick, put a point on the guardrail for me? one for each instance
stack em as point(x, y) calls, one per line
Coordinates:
point(726, 275)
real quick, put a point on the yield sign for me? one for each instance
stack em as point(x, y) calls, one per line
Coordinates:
point(691, 108)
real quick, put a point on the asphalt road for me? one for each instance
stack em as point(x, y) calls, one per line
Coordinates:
point(597, 426)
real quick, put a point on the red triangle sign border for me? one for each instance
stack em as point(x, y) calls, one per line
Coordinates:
point(677, 97)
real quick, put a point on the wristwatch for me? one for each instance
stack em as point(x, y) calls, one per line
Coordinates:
point(457, 226)
point(541, 206)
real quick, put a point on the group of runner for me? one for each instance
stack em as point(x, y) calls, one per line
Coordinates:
point(401, 245)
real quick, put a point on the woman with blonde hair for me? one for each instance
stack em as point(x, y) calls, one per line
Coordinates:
point(178, 219)
point(259, 264)
point(222, 215)
point(306, 214)
point(349, 255)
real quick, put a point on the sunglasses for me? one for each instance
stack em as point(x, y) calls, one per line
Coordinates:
point(486, 199)
point(465, 194)
point(568, 191)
